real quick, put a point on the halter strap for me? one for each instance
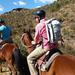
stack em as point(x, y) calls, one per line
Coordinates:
point(29, 46)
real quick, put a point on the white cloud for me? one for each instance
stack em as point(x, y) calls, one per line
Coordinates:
point(45, 1)
point(38, 6)
point(35, 1)
point(15, 3)
point(1, 8)
point(22, 3)
point(19, 3)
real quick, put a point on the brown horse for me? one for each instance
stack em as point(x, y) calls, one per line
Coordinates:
point(8, 53)
point(62, 64)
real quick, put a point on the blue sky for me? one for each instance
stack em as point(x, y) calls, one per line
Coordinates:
point(8, 5)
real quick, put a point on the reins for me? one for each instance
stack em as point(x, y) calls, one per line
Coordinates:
point(31, 46)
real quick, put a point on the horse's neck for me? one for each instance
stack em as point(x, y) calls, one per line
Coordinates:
point(26, 39)
point(28, 42)
point(29, 48)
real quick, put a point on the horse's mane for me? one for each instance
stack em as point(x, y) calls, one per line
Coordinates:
point(29, 35)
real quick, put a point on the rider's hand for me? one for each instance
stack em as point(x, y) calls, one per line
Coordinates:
point(33, 42)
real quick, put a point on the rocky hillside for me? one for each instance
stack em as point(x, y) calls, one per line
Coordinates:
point(64, 10)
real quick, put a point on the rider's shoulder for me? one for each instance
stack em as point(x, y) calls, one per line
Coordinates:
point(2, 26)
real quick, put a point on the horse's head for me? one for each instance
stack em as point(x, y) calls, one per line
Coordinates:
point(26, 39)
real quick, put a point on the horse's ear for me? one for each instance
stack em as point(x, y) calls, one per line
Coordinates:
point(25, 30)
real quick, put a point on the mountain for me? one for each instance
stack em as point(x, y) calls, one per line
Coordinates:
point(21, 19)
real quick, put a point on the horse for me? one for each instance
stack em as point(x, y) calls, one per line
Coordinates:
point(63, 64)
point(10, 54)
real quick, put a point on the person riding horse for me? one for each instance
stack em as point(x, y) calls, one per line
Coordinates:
point(63, 64)
point(9, 50)
point(40, 35)
point(5, 33)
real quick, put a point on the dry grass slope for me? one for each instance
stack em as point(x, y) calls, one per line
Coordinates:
point(64, 10)
point(20, 19)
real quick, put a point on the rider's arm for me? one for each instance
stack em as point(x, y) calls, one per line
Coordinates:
point(36, 37)
point(2, 28)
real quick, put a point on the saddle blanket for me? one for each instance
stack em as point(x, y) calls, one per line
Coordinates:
point(45, 66)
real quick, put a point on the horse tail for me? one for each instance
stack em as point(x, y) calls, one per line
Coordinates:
point(21, 62)
point(17, 60)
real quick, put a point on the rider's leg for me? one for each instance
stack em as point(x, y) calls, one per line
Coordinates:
point(32, 57)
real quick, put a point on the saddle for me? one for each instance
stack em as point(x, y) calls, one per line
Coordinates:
point(2, 43)
point(45, 61)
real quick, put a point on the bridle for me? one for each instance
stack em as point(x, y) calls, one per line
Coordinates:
point(31, 46)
